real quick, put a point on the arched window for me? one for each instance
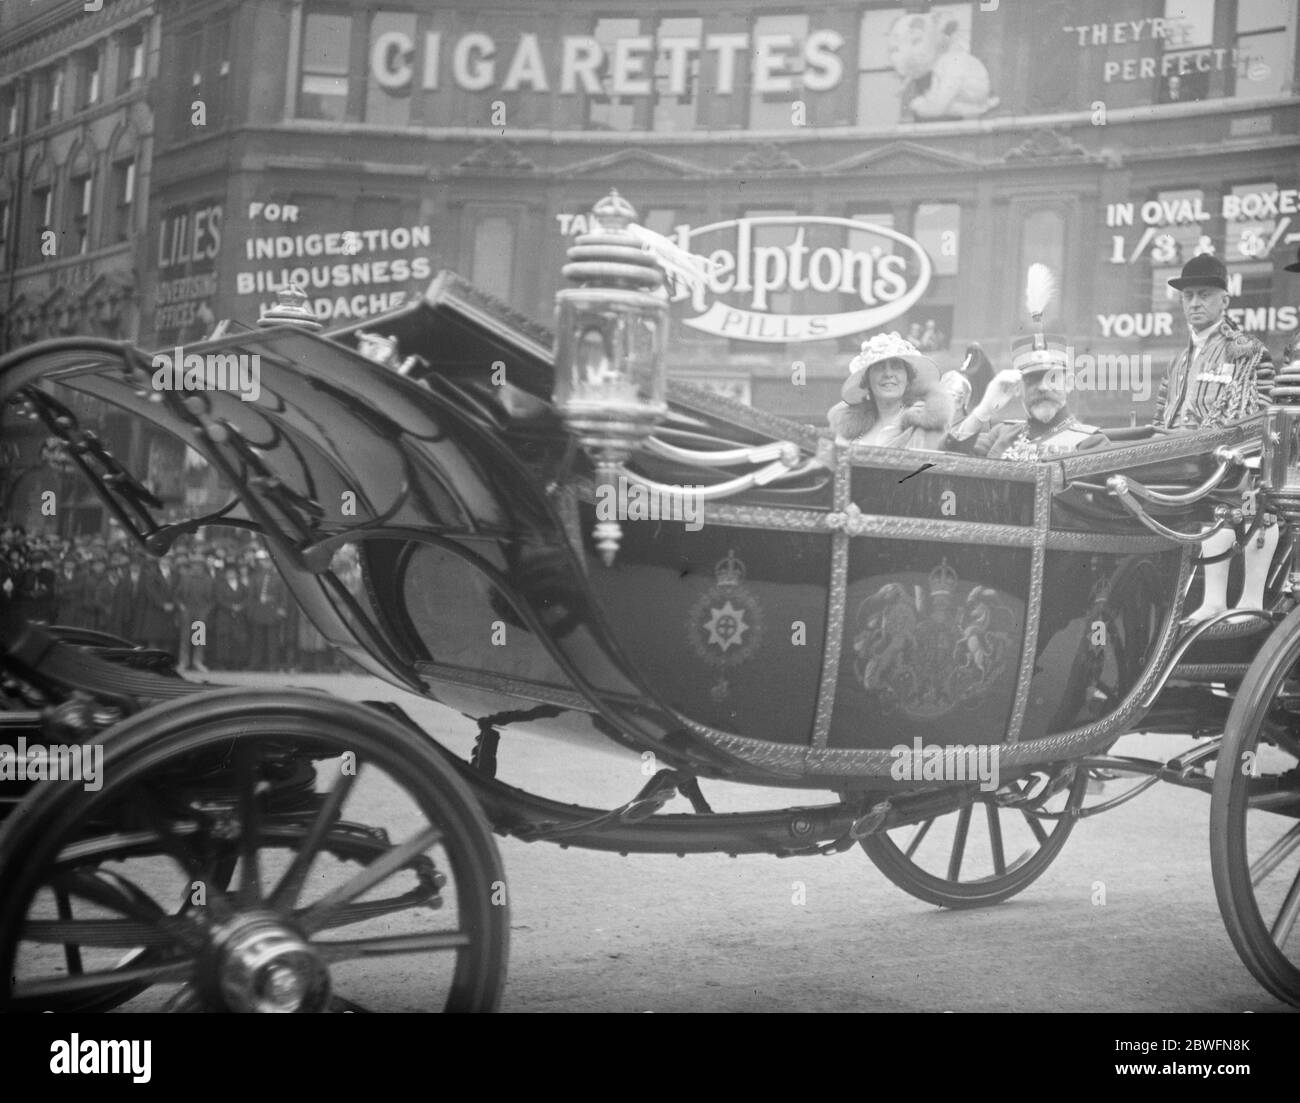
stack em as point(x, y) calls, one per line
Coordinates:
point(39, 216)
point(122, 186)
point(6, 223)
point(79, 201)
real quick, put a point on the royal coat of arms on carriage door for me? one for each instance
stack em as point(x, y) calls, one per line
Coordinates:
point(927, 649)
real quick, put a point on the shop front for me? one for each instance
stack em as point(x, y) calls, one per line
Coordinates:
point(848, 169)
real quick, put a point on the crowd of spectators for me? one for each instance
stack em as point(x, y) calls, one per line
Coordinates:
point(213, 603)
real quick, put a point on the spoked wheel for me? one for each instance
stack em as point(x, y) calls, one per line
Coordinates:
point(1255, 816)
point(324, 857)
point(988, 849)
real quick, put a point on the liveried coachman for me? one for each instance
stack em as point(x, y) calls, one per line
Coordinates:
point(1223, 375)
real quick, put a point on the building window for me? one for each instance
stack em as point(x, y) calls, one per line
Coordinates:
point(326, 51)
point(1042, 241)
point(9, 109)
point(56, 92)
point(677, 74)
point(1251, 56)
point(81, 198)
point(387, 106)
point(493, 263)
point(937, 227)
point(216, 72)
point(88, 78)
point(130, 65)
point(881, 89)
point(1265, 42)
point(613, 108)
point(772, 89)
point(189, 83)
point(46, 95)
point(43, 209)
point(123, 199)
point(1189, 35)
point(36, 99)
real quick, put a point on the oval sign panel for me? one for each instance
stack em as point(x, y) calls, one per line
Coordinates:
point(861, 267)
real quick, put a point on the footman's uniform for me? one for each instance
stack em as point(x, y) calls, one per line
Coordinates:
point(1223, 375)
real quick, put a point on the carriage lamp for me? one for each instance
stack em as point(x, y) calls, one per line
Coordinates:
point(610, 379)
point(290, 309)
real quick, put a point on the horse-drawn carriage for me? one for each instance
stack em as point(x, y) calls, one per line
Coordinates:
point(950, 652)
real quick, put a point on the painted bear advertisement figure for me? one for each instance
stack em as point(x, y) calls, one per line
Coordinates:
point(943, 79)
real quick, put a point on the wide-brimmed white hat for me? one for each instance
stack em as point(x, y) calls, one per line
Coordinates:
point(887, 346)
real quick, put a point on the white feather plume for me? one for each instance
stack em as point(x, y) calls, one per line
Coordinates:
point(1040, 287)
point(691, 268)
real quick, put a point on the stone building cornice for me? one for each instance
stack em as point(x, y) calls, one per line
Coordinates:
point(37, 43)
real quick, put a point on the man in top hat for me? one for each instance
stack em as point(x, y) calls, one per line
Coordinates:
point(1040, 375)
point(1223, 375)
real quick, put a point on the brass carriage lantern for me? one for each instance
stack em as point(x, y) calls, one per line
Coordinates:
point(610, 379)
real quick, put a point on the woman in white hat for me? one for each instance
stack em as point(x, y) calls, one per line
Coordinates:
point(892, 398)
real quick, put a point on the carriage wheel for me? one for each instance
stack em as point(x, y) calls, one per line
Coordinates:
point(963, 859)
point(374, 886)
point(1255, 816)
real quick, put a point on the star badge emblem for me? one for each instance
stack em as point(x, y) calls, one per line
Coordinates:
point(726, 626)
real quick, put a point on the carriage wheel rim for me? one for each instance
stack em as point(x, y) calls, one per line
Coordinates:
point(1236, 881)
point(306, 965)
point(1008, 878)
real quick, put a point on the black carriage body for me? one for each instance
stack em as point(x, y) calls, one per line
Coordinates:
point(798, 636)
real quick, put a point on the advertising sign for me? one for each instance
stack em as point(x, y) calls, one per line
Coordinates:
point(188, 255)
point(736, 301)
point(347, 272)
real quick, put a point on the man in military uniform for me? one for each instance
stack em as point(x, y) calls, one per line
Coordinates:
point(1039, 376)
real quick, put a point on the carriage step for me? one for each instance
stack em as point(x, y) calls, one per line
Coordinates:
point(1237, 629)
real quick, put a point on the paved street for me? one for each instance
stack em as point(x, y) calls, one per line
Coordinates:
point(599, 932)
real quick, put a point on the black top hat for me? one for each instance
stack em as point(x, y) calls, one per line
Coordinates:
point(1203, 270)
point(1294, 267)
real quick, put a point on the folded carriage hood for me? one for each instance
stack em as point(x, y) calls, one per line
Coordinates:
point(335, 448)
